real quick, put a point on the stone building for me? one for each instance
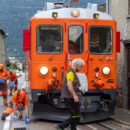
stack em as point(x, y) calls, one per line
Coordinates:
point(120, 11)
point(2, 46)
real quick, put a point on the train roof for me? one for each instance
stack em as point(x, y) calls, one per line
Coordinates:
point(67, 13)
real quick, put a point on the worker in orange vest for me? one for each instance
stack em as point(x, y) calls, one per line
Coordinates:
point(13, 81)
point(3, 83)
point(19, 103)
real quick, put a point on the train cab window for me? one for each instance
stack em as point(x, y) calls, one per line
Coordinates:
point(49, 39)
point(100, 40)
point(75, 43)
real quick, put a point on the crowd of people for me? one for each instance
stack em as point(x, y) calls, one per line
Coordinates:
point(19, 99)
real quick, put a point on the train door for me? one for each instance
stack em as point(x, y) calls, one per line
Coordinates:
point(76, 43)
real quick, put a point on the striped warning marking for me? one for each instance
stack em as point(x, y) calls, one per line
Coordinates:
point(92, 127)
point(7, 123)
point(120, 121)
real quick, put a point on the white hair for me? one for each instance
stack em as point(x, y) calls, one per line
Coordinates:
point(78, 61)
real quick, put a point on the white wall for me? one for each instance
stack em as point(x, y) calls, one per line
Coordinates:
point(118, 9)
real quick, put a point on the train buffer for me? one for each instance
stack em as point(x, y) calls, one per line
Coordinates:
point(18, 125)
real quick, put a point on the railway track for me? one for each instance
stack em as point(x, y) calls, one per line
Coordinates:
point(108, 124)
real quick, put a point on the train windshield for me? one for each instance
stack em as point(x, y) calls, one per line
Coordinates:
point(49, 39)
point(100, 40)
point(75, 43)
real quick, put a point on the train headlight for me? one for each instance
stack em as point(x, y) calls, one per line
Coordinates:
point(106, 70)
point(44, 70)
point(75, 13)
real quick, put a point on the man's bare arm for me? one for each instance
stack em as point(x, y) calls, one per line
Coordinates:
point(26, 111)
point(14, 107)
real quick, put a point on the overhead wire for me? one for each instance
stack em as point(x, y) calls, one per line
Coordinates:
point(21, 7)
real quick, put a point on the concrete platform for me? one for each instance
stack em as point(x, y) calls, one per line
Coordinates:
point(122, 115)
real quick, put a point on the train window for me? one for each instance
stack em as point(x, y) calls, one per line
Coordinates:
point(100, 40)
point(75, 43)
point(49, 39)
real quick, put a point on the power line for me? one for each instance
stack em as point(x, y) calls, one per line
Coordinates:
point(21, 7)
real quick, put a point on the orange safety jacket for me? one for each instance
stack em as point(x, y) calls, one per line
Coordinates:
point(16, 98)
point(4, 74)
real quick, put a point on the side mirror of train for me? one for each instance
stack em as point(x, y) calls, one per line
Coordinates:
point(26, 40)
point(118, 42)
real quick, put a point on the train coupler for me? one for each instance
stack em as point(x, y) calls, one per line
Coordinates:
point(103, 106)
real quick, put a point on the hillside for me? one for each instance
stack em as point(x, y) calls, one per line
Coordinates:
point(15, 16)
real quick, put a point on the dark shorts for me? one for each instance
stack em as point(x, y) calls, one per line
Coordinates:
point(20, 107)
point(16, 82)
point(74, 107)
point(3, 87)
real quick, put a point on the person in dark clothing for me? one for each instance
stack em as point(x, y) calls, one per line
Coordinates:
point(70, 92)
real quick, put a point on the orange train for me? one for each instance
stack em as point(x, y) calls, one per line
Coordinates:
point(55, 37)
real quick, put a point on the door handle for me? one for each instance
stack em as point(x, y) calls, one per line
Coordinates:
point(69, 58)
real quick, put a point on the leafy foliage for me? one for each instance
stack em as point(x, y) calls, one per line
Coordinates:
point(13, 67)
